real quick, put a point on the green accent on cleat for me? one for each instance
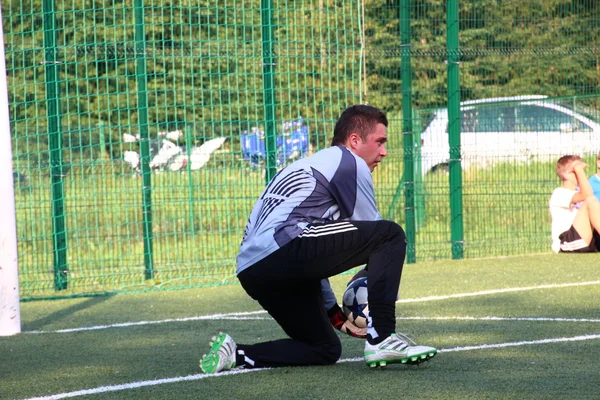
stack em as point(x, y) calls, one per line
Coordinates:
point(221, 355)
point(396, 349)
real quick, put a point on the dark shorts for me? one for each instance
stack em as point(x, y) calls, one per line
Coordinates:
point(571, 242)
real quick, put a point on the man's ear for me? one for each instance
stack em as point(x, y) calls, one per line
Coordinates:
point(354, 140)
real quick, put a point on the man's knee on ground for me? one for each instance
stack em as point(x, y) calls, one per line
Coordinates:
point(331, 352)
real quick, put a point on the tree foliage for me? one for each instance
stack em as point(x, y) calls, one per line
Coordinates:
point(204, 61)
point(507, 48)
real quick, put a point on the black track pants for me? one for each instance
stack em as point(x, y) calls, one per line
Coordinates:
point(287, 285)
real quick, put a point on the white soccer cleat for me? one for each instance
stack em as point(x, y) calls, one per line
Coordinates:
point(221, 355)
point(396, 349)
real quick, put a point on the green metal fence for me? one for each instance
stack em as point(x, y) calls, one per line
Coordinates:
point(473, 188)
point(500, 188)
point(111, 105)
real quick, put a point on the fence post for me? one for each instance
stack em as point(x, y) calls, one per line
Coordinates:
point(419, 187)
point(191, 205)
point(104, 155)
point(408, 133)
point(53, 111)
point(269, 88)
point(454, 165)
point(142, 109)
point(10, 311)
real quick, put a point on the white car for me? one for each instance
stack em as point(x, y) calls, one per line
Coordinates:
point(510, 129)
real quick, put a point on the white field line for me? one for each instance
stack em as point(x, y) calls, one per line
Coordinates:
point(134, 385)
point(501, 345)
point(523, 343)
point(248, 315)
point(216, 317)
point(497, 291)
point(232, 316)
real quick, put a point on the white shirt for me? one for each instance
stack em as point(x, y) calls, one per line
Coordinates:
point(563, 213)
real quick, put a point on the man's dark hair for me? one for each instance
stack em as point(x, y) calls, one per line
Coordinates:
point(360, 119)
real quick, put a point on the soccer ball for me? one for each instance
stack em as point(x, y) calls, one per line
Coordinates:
point(355, 304)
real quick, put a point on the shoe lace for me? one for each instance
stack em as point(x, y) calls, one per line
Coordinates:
point(405, 337)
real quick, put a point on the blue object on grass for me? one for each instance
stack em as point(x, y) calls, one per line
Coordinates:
point(292, 143)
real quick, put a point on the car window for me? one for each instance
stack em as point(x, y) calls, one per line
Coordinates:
point(519, 118)
point(534, 118)
point(488, 119)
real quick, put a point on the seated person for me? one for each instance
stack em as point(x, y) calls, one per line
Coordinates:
point(575, 229)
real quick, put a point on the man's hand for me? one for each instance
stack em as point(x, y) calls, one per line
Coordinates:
point(340, 322)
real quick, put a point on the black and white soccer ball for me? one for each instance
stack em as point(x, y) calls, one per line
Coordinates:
point(355, 302)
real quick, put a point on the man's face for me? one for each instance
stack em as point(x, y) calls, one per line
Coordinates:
point(373, 149)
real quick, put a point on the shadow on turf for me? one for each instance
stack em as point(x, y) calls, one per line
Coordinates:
point(55, 316)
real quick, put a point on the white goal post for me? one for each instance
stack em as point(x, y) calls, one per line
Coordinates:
point(10, 312)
